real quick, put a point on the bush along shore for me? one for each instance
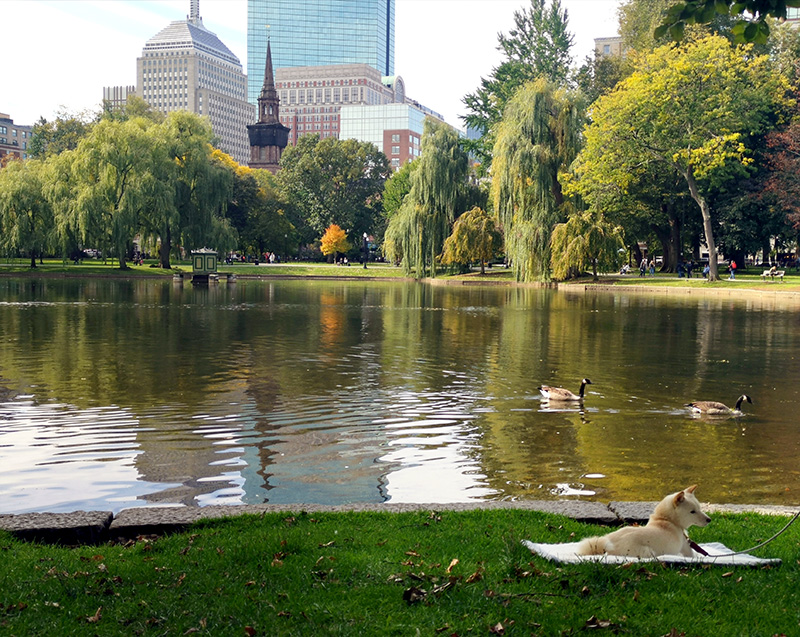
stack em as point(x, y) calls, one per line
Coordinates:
point(379, 573)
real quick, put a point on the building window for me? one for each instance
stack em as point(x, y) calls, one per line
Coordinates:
point(607, 49)
point(395, 150)
point(395, 138)
point(396, 163)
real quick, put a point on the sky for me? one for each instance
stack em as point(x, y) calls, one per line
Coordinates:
point(59, 54)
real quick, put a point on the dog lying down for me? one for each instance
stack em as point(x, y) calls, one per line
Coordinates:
point(664, 533)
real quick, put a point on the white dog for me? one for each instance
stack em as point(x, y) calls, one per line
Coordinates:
point(664, 533)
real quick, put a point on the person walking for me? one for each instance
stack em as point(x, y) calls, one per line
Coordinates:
point(652, 267)
point(643, 266)
point(733, 270)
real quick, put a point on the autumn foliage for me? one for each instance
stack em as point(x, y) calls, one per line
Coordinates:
point(334, 240)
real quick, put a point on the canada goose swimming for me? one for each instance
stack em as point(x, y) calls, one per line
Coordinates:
point(713, 408)
point(559, 393)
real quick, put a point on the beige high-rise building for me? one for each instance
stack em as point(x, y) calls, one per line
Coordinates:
point(186, 67)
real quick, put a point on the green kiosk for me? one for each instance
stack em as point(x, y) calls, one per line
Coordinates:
point(204, 266)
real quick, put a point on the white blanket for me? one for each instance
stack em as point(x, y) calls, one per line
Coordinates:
point(718, 555)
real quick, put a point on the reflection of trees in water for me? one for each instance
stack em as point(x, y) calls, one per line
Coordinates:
point(269, 351)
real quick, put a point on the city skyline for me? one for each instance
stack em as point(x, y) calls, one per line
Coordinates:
point(443, 47)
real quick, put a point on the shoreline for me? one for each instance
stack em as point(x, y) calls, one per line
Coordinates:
point(608, 285)
point(95, 527)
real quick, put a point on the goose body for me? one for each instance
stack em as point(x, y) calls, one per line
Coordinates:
point(713, 408)
point(561, 394)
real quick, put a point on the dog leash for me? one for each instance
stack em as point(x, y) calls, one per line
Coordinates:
point(697, 548)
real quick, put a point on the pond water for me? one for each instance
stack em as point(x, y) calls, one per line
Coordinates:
point(130, 393)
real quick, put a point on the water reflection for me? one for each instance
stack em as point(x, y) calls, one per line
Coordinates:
point(142, 392)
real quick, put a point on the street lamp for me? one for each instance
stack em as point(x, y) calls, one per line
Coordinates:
point(366, 248)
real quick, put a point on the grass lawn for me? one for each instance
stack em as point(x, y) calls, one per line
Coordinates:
point(750, 279)
point(424, 573)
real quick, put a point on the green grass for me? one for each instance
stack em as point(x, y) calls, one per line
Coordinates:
point(389, 574)
point(750, 279)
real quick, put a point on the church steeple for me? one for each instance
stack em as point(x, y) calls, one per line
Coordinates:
point(268, 101)
point(268, 137)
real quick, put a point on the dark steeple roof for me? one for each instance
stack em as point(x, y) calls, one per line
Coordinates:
point(268, 137)
point(268, 101)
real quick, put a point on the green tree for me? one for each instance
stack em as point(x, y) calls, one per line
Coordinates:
point(601, 73)
point(586, 240)
point(116, 182)
point(539, 138)
point(638, 20)
point(537, 46)
point(475, 238)
point(192, 214)
point(397, 187)
point(63, 133)
point(416, 233)
point(333, 181)
point(680, 112)
point(753, 29)
point(26, 217)
point(134, 107)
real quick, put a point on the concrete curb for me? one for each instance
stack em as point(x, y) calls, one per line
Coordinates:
point(95, 527)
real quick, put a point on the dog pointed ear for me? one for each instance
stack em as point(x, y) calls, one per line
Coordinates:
point(691, 489)
point(679, 497)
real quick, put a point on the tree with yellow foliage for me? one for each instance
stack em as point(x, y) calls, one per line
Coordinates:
point(334, 241)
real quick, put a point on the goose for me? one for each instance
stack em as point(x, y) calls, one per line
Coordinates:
point(559, 393)
point(713, 408)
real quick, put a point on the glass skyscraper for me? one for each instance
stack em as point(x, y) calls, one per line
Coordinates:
point(318, 33)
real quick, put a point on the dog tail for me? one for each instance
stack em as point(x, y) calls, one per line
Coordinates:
point(592, 546)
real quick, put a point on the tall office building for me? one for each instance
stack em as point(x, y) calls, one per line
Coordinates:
point(186, 67)
point(318, 33)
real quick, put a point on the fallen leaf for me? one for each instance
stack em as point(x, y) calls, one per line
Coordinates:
point(249, 631)
point(453, 563)
point(477, 576)
point(413, 595)
point(327, 544)
point(96, 617)
point(586, 591)
point(728, 574)
point(593, 623)
point(412, 553)
point(497, 629)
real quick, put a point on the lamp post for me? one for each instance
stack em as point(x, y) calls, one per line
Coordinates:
point(366, 248)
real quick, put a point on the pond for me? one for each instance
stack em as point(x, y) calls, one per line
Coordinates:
point(121, 393)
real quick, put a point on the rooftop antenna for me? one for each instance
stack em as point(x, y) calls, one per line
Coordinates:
point(194, 11)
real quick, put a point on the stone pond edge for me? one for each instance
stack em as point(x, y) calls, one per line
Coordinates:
point(95, 527)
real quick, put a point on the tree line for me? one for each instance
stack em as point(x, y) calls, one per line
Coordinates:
point(665, 149)
point(688, 140)
point(135, 179)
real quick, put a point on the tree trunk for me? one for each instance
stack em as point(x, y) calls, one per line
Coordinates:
point(33, 258)
point(705, 211)
point(164, 249)
point(483, 267)
point(664, 238)
point(674, 237)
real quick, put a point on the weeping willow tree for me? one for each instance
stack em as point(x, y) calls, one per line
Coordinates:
point(539, 137)
point(416, 233)
point(586, 240)
point(475, 238)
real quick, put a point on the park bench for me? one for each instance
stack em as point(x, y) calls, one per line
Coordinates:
point(777, 274)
